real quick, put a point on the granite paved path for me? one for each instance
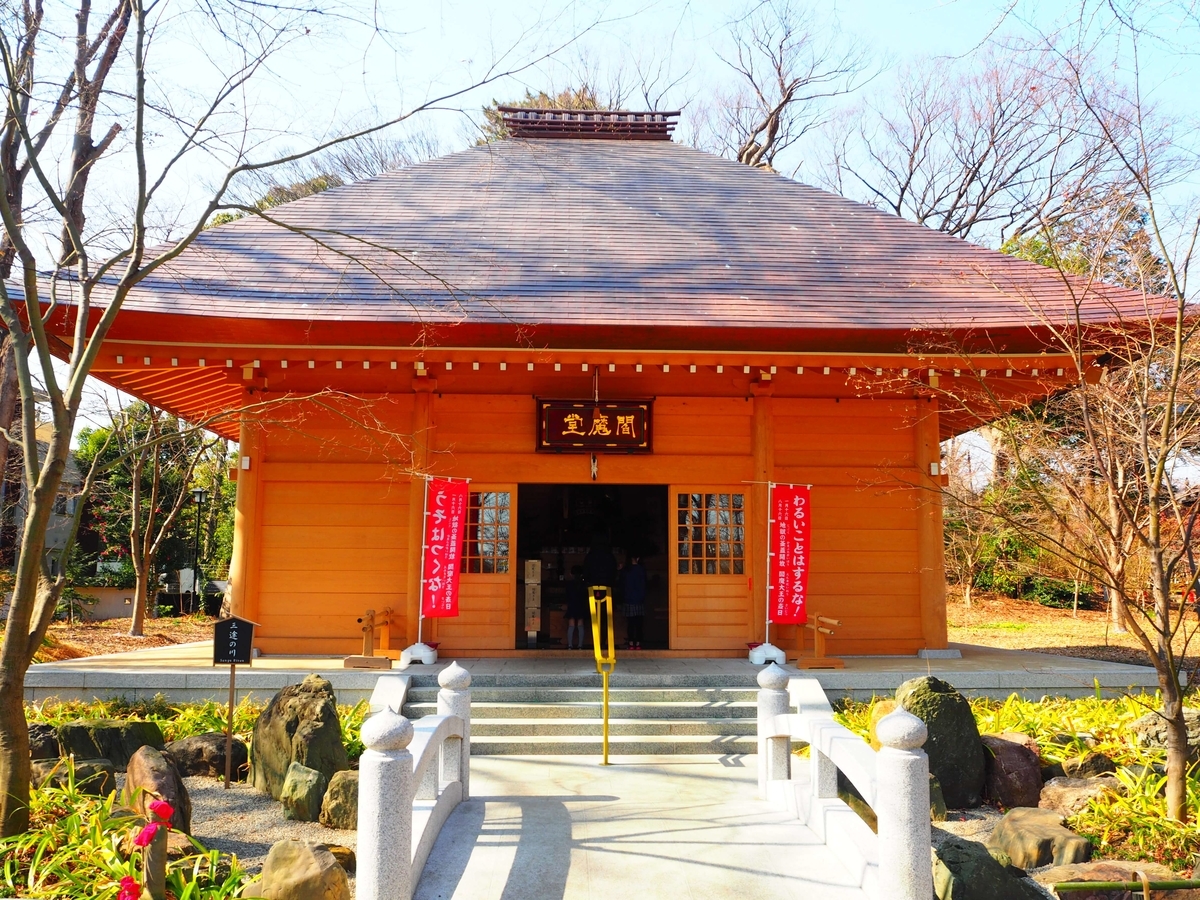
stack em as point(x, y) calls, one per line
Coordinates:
point(683, 828)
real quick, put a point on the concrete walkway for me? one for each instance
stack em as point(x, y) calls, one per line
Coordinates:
point(184, 672)
point(554, 827)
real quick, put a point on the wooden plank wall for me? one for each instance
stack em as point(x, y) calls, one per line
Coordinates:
point(333, 526)
point(333, 515)
point(859, 455)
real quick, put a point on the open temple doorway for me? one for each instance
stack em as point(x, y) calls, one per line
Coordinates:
point(558, 525)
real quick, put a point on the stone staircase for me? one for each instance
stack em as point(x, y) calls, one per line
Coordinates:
point(561, 714)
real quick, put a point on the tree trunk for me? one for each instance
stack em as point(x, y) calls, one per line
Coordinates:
point(967, 593)
point(14, 753)
point(1116, 614)
point(141, 594)
point(1177, 748)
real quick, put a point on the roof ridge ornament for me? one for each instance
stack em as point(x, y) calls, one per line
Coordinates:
point(595, 124)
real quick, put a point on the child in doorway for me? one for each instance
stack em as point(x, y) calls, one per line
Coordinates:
point(633, 591)
point(577, 609)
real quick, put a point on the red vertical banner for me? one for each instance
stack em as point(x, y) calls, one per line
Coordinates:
point(791, 531)
point(445, 525)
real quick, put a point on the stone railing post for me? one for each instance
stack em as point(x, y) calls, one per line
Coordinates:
point(774, 753)
point(454, 699)
point(902, 807)
point(385, 796)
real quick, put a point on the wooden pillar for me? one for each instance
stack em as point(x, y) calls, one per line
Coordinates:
point(763, 450)
point(931, 559)
point(422, 437)
point(243, 592)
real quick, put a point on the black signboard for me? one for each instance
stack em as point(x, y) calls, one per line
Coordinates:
point(232, 639)
point(592, 426)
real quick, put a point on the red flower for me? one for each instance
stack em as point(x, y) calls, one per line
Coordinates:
point(146, 835)
point(130, 889)
point(162, 809)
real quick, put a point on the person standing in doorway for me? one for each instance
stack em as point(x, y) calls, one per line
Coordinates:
point(577, 609)
point(633, 592)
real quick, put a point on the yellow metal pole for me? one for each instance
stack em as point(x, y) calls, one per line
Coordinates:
point(606, 659)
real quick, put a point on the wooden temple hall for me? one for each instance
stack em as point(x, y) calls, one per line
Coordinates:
point(620, 341)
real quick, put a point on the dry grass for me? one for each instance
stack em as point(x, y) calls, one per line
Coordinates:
point(995, 621)
point(66, 641)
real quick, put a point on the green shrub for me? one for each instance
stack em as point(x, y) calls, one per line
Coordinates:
point(81, 846)
point(1133, 825)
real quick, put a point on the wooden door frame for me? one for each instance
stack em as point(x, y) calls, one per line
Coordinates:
point(673, 539)
point(511, 577)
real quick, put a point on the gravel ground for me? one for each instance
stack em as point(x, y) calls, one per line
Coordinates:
point(244, 821)
point(975, 825)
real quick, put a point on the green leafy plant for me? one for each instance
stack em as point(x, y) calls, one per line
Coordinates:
point(352, 718)
point(79, 845)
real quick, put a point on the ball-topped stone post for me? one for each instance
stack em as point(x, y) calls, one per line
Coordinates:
point(902, 806)
point(454, 699)
point(385, 796)
point(774, 751)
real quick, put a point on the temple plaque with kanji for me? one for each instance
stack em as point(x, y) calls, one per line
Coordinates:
point(591, 426)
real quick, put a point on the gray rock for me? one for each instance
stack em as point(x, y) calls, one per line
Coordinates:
point(937, 802)
point(344, 855)
point(1151, 731)
point(204, 754)
point(1091, 765)
point(1112, 870)
point(1036, 837)
point(1013, 772)
point(967, 870)
point(151, 776)
point(43, 742)
point(339, 809)
point(1052, 771)
point(1067, 796)
point(303, 791)
point(92, 776)
point(956, 755)
point(110, 739)
point(300, 870)
point(299, 725)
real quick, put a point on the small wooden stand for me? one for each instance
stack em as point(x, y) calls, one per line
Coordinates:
point(819, 626)
point(368, 659)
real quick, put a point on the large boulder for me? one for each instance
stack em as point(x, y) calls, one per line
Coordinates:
point(339, 809)
point(151, 776)
point(1090, 765)
point(1067, 796)
point(1151, 730)
point(112, 739)
point(1036, 837)
point(303, 791)
point(956, 756)
point(1013, 775)
point(967, 870)
point(299, 725)
point(1112, 870)
point(92, 776)
point(204, 754)
point(301, 870)
point(43, 741)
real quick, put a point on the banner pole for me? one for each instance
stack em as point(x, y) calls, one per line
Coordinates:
point(770, 567)
point(421, 593)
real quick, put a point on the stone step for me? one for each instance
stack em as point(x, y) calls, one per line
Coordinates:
point(593, 709)
point(719, 696)
point(636, 745)
point(593, 727)
point(586, 679)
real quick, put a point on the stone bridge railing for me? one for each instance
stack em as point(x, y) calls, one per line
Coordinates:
point(411, 777)
point(893, 864)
